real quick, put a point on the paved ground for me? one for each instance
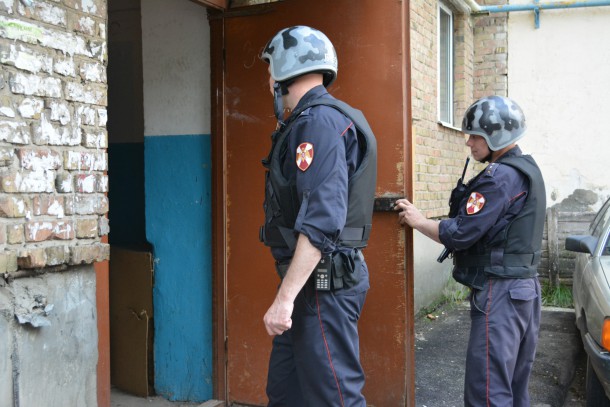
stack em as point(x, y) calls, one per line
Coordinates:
point(440, 348)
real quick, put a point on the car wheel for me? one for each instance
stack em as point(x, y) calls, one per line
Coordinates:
point(596, 397)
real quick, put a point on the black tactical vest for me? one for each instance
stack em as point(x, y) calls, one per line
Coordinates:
point(515, 251)
point(282, 203)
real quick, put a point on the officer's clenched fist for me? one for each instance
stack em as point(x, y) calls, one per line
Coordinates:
point(278, 317)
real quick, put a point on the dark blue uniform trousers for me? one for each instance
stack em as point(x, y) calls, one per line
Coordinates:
point(505, 320)
point(316, 363)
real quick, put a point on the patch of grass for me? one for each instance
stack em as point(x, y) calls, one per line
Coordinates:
point(454, 293)
point(557, 296)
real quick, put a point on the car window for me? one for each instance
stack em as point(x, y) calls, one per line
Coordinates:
point(601, 219)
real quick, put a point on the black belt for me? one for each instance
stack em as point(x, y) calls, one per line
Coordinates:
point(282, 267)
point(285, 237)
point(487, 260)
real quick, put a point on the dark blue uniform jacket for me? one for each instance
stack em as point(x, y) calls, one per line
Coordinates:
point(504, 190)
point(322, 188)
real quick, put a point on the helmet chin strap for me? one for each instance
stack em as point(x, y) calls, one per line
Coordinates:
point(278, 103)
point(280, 89)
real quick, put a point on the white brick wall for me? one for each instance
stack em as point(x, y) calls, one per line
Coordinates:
point(53, 133)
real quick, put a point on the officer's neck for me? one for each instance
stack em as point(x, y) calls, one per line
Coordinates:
point(495, 155)
point(300, 87)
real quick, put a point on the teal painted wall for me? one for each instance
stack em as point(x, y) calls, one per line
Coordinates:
point(179, 227)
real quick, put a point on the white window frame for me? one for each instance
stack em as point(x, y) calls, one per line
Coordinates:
point(447, 121)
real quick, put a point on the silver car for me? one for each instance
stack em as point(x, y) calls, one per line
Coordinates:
point(591, 291)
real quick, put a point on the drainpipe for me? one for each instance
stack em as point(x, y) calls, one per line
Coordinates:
point(474, 6)
point(535, 7)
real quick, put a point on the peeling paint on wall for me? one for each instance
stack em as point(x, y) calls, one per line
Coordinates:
point(26, 59)
point(581, 200)
point(45, 12)
point(7, 5)
point(30, 108)
point(33, 311)
point(60, 112)
point(16, 132)
point(35, 160)
point(89, 6)
point(7, 111)
point(65, 66)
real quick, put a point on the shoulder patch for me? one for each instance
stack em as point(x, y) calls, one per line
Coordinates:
point(304, 156)
point(475, 203)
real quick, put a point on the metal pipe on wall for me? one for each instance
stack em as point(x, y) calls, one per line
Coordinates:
point(536, 7)
point(542, 6)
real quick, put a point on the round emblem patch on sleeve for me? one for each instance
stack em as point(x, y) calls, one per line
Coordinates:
point(475, 203)
point(304, 156)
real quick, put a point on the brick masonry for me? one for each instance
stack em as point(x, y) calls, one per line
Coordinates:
point(491, 53)
point(53, 137)
point(439, 149)
point(480, 70)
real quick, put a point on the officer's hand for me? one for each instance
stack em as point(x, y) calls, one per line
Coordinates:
point(409, 214)
point(278, 317)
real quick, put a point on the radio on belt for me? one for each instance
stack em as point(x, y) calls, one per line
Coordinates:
point(323, 274)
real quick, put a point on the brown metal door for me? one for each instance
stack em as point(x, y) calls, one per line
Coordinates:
point(370, 39)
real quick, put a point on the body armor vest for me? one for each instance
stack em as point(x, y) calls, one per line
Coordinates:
point(515, 251)
point(282, 203)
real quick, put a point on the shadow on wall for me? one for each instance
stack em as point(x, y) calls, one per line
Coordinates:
point(581, 200)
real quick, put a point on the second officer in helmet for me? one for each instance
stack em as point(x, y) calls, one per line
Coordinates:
point(495, 235)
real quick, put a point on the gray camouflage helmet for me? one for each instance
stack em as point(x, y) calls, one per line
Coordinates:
point(497, 119)
point(298, 50)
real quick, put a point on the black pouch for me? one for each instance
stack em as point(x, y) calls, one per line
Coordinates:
point(473, 277)
point(337, 271)
point(346, 269)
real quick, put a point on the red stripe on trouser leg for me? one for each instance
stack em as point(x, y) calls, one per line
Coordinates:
point(330, 360)
point(487, 340)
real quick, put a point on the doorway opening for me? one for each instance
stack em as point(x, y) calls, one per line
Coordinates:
point(160, 187)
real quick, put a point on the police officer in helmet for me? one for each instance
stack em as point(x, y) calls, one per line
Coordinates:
point(319, 191)
point(495, 237)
